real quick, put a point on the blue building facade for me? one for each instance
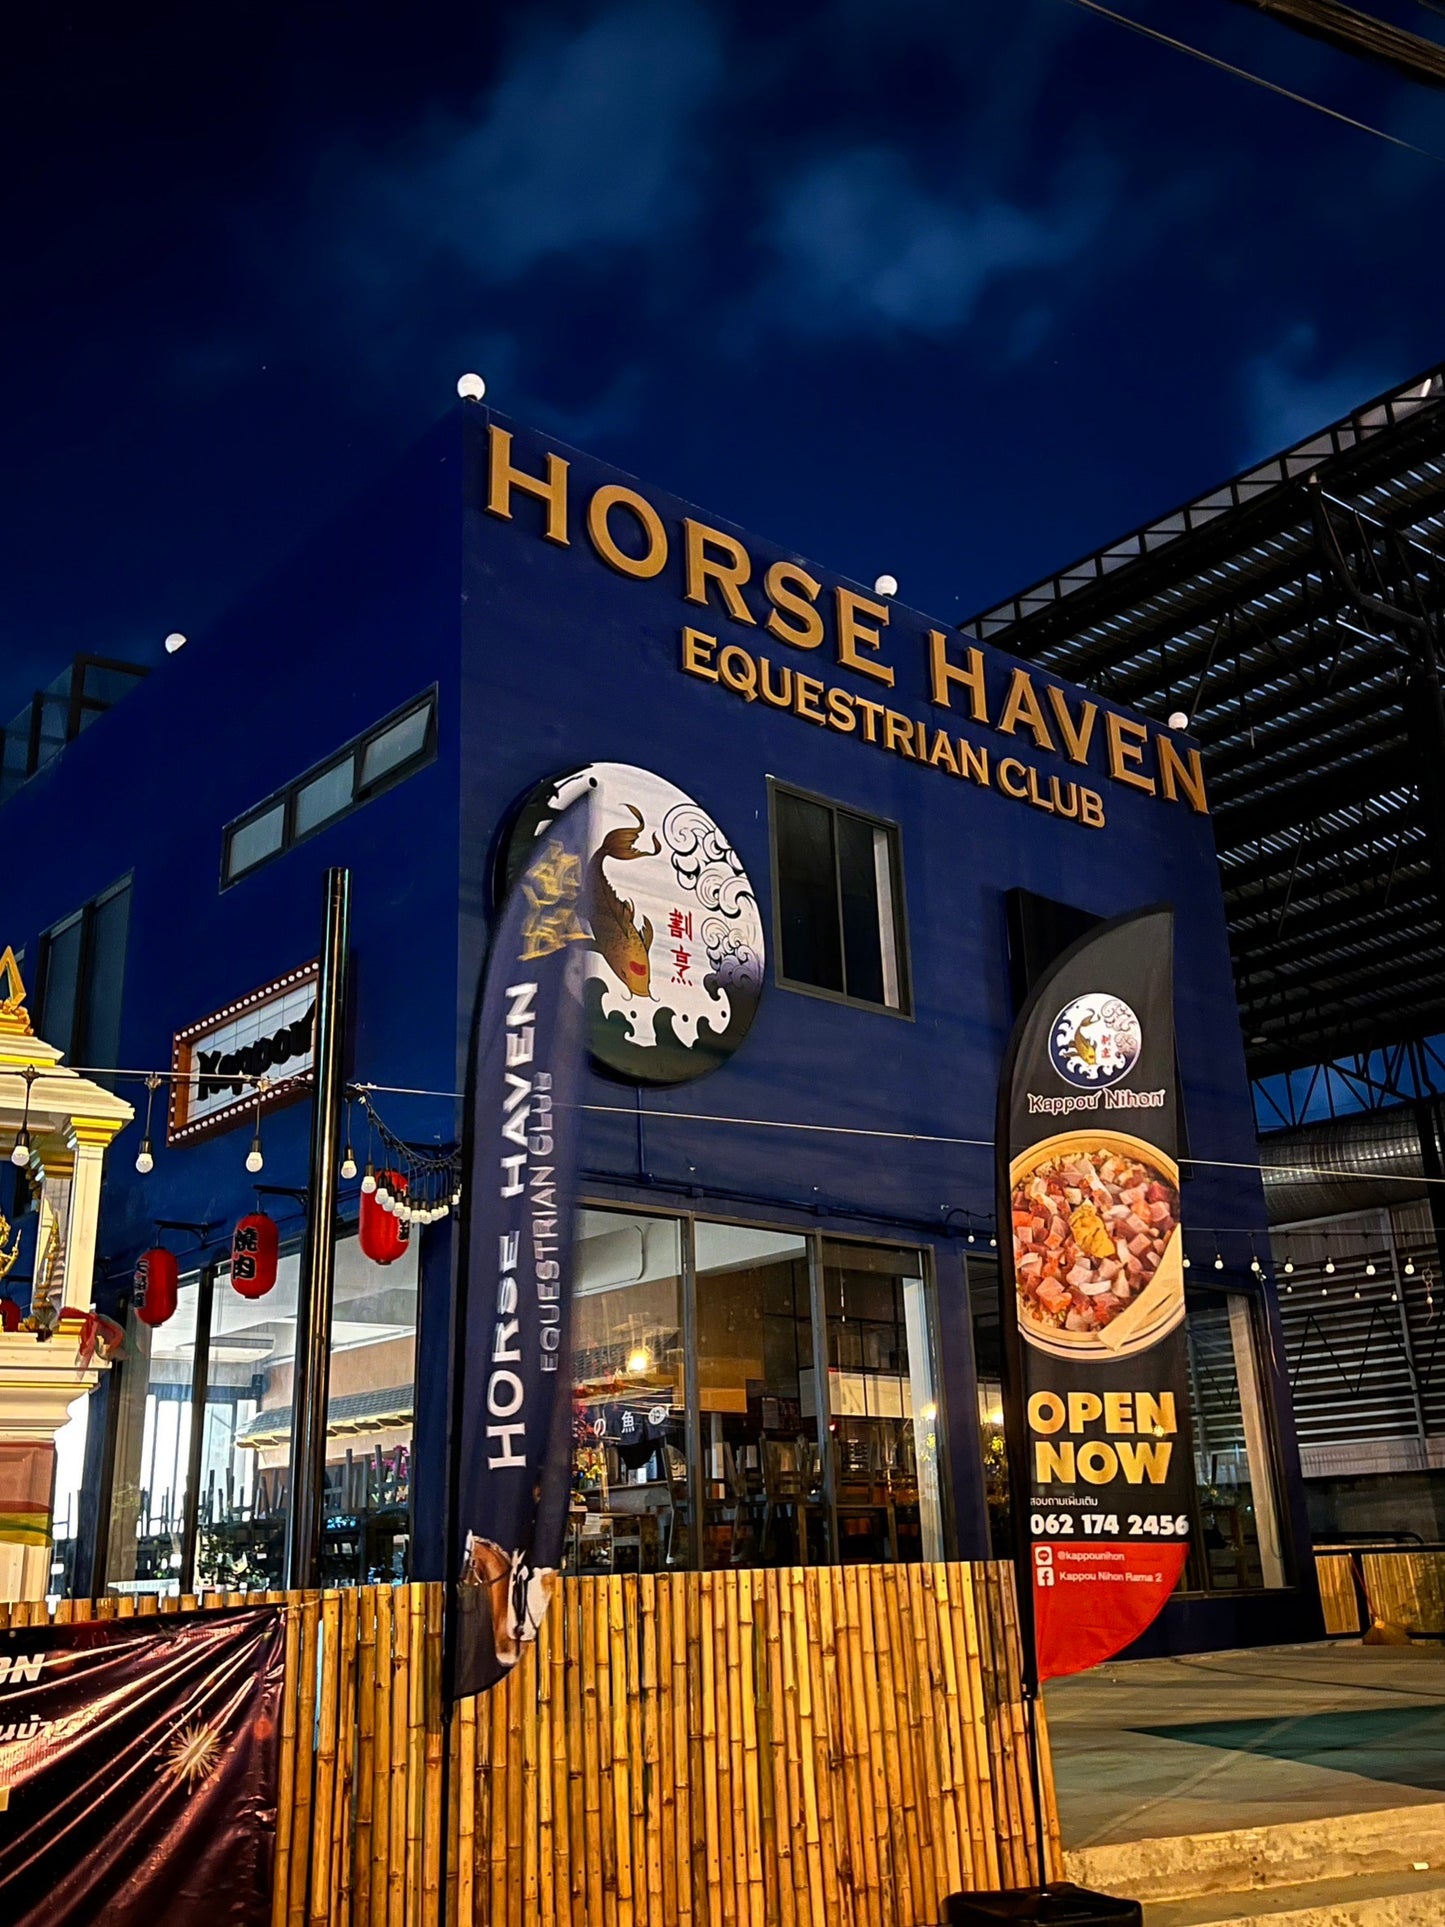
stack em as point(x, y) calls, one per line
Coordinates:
point(787, 1284)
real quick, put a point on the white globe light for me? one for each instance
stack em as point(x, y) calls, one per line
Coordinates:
point(886, 585)
point(255, 1162)
point(20, 1156)
point(348, 1166)
point(174, 641)
point(1177, 719)
point(386, 1201)
point(145, 1163)
point(368, 1184)
point(471, 387)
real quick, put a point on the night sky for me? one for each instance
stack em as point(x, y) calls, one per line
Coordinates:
point(952, 291)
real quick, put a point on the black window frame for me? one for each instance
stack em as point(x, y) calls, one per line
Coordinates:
point(361, 793)
point(902, 949)
point(76, 1045)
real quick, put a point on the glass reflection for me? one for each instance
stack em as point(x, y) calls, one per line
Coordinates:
point(629, 1508)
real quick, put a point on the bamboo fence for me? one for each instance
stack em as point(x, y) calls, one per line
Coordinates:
point(1405, 1588)
point(781, 1748)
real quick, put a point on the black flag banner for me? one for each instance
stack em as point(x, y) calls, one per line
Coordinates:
point(1097, 1412)
point(138, 1770)
point(513, 1421)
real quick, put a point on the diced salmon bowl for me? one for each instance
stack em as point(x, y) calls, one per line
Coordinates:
point(1092, 1221)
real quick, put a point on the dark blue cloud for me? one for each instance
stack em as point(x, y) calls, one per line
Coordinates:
point(957, 292)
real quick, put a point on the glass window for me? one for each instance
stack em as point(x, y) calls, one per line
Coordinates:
point(762, 1482)
point(246, 1454)
point(989, 1365)
point(808, 929)
point(69, 1477)
point(882, 1407)
point(252, 842)
point(153, 1437)
point(393, 747)
point(839, 907)
point(322, 797)
point(368, 763)
point(1236, 1544)
point(99, 1040)
point(630, 1508)
point(61, 953)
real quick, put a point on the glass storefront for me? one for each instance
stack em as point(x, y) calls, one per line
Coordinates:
point(748, 1396)
point(1236, 1545)
point(231, 1536)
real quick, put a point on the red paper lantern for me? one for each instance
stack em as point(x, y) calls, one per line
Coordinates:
point(157, 1281)
point(382, 1235)
point(255, 1250)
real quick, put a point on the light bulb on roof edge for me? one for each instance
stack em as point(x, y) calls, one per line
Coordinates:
point(145, 1161)
point(886, 585)
point(471, 387)
point(1178, 719)
point(174, 641)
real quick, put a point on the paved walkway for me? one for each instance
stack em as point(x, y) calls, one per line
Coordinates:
point(1215, 1741)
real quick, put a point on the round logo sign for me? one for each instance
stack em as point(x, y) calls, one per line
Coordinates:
point(1095, 1041)
point(675, 965)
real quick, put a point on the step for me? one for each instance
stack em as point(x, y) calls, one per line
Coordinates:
point(1364, 1900)
point(1245, 1859)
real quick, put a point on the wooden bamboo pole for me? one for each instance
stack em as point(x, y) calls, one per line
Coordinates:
point(434, 1742)
point(304, 1783)
point(328, 1662)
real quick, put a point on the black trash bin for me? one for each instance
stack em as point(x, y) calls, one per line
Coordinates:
point(1060, 1905)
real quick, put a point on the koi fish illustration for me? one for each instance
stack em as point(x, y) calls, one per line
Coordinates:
point(622, 946)
point(1083, 1046)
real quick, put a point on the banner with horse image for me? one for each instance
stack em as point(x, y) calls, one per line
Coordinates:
point(1097, 1405)
point(512, 1421)
point(138, 1762)
point(674, 970)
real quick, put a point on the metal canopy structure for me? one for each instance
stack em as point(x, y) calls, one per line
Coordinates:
point(1296, 616)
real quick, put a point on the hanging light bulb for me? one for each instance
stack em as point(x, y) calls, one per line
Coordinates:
point(1329, 1267)
point(145, 1160)
point(385, 1200)
point(256, 1157)
point(20, 1153)
point(992, 1242)
point(1186, 1261)
point(1218, 1262)
point(368, 1181)
point(970, 1237)
point(1370, 1269)
point(1409, 1267)
point(1357, 1291)
point(1254, 1266)
point(1289, 1264)
point(348, 1163)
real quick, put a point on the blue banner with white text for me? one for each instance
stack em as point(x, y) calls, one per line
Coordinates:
point(513, 1423)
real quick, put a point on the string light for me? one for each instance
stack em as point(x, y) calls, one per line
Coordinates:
point(1289, 1264)
point(1409, 1267)
point(1370, 1269)
point(348, 1156)
point(1329, 1267)
point(1218, 1262)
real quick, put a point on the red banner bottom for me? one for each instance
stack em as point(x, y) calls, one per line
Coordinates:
point(1091, 1601)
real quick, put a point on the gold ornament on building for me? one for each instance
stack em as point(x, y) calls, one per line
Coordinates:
point(14, 1017)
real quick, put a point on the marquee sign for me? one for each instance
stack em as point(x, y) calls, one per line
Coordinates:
point(268, 1033)
point(675, 964)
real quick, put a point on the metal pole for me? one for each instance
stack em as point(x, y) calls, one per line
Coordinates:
point(318, 1251)
point(200, 1375)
